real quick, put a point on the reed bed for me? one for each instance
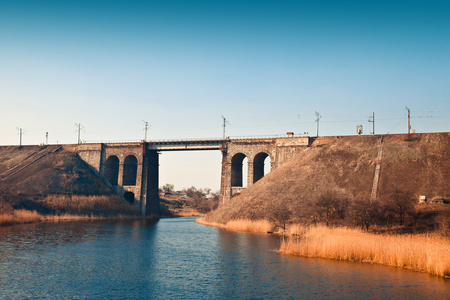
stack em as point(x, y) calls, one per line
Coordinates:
point(19, 217)
point(295, 230)
point(249, 225)
point(428, 253)
point(70, 217)
point(261, 226)
point(79, 204)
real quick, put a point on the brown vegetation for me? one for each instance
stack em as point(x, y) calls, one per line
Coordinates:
point(64, 208)
point(428, 253)
point(79, 205)
point(19, 216)
point(259, 226)
point(190, 202)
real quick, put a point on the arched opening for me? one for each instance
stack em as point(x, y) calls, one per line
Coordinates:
point(238, 170)
point(129, 170)
point(129, 197)
point(112, 169)
point(261, 166)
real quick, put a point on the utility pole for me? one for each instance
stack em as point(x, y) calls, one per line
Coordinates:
point(225, 122)
point(373, 122)
point(20, 133)
point(79, 127)
point(46, 138)
point(145, 129)
point(409, 116)
point(318, 116)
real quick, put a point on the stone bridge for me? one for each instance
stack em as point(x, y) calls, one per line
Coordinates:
point(132, 169)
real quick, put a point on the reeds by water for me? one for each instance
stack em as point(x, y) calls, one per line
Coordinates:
point(80, 204)
point(261, 226)
point(428, 253)
point(70, 208)
point(19, 216)
point(250, 226)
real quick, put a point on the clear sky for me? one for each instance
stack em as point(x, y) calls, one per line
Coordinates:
point(266, 66)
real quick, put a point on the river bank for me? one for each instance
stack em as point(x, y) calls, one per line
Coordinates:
point(23, 216)
point(427, 253)
point(66, 208)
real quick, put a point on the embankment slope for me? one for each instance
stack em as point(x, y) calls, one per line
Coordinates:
point(31, 174)
point(417, 163)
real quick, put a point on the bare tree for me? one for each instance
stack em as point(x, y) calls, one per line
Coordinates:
point(168, 188)
point(364, 212)
point(331, 206)
point(279, 215)
point(401, 204)
point(193, 191)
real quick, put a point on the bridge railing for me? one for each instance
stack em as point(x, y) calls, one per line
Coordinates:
point(215, 139)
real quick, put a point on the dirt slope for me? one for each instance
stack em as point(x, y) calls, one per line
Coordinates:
point(30, 173)
point(419, 163)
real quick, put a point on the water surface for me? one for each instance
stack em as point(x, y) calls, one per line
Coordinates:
point(177, 258)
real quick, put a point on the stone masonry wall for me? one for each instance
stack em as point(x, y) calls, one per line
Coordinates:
point(280, 150)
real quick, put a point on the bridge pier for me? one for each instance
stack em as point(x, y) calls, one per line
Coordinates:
point(140, 181)
point(152, 184)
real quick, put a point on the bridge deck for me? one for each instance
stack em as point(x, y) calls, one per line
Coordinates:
point(185, 145)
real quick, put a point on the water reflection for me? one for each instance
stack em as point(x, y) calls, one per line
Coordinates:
point(177, 258)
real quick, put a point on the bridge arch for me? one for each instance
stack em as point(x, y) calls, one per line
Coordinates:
point(261, 163)
point(237, 166)
point(129, 170)
point(129, 197)
point(112, 169)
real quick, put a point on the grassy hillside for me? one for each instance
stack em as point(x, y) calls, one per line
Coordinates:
point(418, 164)
point(49, 179)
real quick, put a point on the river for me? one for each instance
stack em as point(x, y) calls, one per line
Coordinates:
point(179, 259)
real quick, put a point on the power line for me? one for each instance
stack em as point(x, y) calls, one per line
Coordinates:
point(396, 125)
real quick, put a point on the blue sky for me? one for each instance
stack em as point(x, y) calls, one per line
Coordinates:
point(266, 66)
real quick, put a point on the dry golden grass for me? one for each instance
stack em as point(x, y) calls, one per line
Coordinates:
point(295, 230)
point(69, 217)
point(20, 216)
point(261, 226)
point(424, 253)
point(249, 225)
point(25, 216)
point(76, 207)
point(187, 213)
point(80, 205)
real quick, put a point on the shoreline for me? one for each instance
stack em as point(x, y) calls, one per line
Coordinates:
point(22, 216)
point(425, 253)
